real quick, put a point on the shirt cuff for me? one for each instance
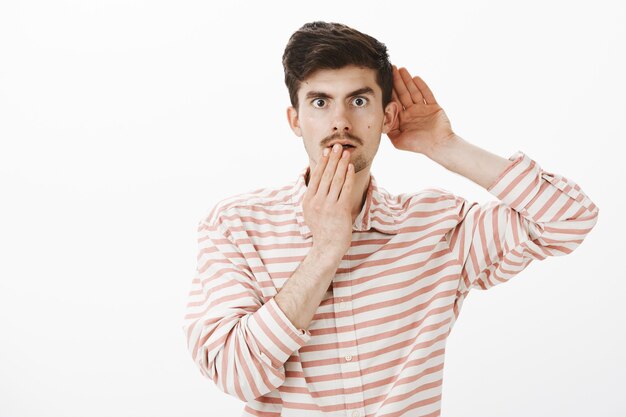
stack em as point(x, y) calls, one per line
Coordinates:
point(276, 335)
point(518, 184)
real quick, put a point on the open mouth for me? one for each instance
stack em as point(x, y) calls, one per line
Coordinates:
point(344, 146)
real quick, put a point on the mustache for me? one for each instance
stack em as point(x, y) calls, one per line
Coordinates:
point(339, 136)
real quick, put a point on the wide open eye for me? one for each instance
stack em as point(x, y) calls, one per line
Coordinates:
point(359, 101)
point(319, 103)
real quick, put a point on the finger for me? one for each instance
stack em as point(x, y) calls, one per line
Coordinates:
point(394, 97)
point(340, 175)
point(416, 95)
point(348, 184)
point(403, 93)
point(316, 175)
point(428, 95)
point(329, 171)
point(394, 93)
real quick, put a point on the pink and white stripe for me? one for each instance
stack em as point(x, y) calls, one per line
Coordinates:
point(376, 345)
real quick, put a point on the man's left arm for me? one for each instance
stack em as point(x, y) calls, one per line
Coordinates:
point(540, 214)
point(468, 160)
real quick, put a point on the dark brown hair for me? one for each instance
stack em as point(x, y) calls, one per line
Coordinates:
point(323, 45)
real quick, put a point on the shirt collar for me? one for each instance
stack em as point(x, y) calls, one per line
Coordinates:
point(371, 216)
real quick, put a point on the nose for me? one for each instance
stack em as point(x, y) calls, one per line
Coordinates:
point(341, 121)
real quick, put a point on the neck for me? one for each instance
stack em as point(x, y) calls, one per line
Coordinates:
point(359, 193)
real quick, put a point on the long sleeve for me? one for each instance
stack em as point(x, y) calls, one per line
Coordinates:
point(234, 338)
point(539, 214)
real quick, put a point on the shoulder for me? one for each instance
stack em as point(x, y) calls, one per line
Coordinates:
point(427, 199)
point(262, 200)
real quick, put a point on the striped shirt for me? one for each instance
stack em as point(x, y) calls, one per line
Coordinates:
point(376, 344)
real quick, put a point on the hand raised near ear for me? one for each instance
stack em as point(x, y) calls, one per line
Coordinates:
point(421, 123)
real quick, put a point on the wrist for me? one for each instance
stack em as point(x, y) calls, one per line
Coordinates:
point(325, 255)
point(439, 151)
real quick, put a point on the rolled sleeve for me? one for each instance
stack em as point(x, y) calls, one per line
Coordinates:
point(275, 333)
point(540, 214)
point(234, 337)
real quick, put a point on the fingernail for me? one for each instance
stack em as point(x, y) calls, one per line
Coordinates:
point(326, 150)
point(336, 147)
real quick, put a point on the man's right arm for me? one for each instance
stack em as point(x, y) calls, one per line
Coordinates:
point(237, 339)
point(303, 292)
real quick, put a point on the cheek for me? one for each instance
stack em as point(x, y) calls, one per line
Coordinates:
point(313, 116)
point(372, 123)
point(373, 119)
point(311, 123)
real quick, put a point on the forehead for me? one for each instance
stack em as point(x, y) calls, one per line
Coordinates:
point(338, 82)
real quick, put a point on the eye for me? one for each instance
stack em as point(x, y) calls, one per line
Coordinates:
point(360, 101)
point(319, 103)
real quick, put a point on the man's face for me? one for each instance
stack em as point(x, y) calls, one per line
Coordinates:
point(341, 105)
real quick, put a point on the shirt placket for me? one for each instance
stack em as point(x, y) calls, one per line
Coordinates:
point(349, 361)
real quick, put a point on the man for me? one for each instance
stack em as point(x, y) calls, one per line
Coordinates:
point(332, 297)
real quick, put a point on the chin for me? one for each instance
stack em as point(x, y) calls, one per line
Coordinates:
point(360, 164)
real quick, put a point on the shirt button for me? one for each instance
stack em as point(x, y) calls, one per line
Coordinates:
point(342, 306)
point(349, 358)
point(355, 413)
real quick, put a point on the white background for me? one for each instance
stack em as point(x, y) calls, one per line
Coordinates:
point(123, 122)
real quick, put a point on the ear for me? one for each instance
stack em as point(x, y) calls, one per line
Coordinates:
point(294, 122)
point(391, 114)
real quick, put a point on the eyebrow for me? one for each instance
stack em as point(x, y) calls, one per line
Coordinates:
point(321, 94)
